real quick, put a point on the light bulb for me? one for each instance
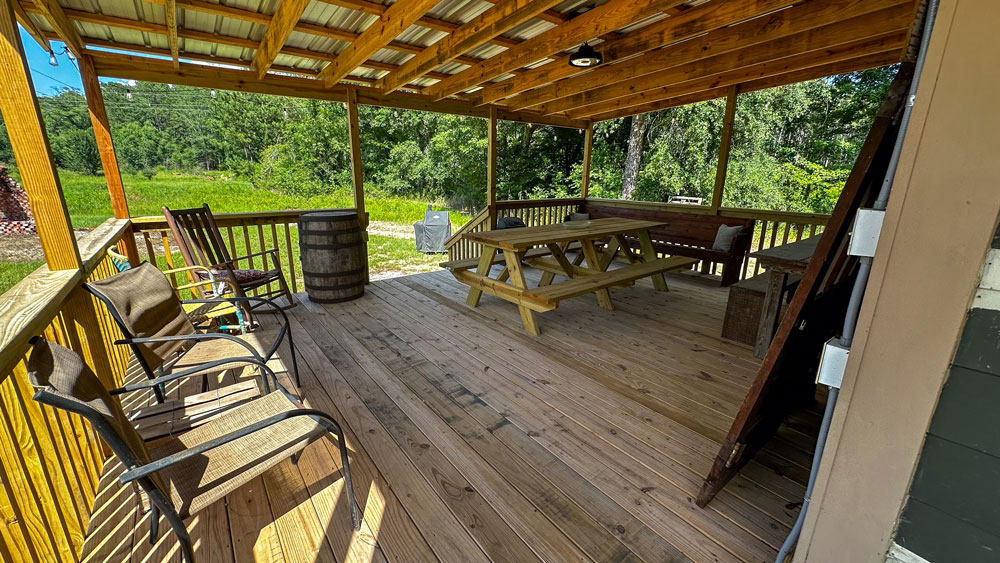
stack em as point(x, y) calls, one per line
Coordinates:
point(212, 92)
point(52, 58)
point(128, 95)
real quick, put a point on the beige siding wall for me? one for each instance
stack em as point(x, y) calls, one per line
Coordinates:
point(938, 227)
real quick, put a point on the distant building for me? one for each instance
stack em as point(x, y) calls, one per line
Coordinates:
point(15, 213)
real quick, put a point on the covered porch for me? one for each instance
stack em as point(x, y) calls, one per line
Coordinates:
point(472, 441)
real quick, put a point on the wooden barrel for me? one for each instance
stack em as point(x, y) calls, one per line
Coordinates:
point(332, 248)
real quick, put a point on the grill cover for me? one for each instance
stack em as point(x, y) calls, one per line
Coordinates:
point(432, 232)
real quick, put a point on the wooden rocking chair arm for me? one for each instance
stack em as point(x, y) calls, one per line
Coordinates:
point(200, 449)
point(272, 252)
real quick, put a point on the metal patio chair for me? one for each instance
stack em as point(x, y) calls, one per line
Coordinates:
point(201, 244)
point(168, 348)
point(187, 473)
point(218, 315)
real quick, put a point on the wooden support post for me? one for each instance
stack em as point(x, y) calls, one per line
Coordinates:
point(106, 148)
point(491, 166)
point(588, 146)
point(357, 167)
point(27, 135)
point(724, 145)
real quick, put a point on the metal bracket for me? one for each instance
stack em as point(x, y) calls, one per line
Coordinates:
point(864, 235)
point(832, 364)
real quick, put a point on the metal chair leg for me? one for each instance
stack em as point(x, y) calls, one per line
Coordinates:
point(154, 523)
point(157, 499)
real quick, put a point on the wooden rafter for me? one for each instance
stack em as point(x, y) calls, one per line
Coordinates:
point(767, 69)
point(673, 99)
point(686, 25)
point(56, 16)
point(605, 18)
point(397, 18)
point(170, 16)
point(502, 16)
point(29, 25)
point(826, 44)
point(749, 33)
point(281, 26)
point(376, 9)
point(160, 71)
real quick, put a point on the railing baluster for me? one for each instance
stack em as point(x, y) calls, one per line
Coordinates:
point(291, 258)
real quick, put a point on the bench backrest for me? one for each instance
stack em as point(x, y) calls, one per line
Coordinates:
point(689, 229)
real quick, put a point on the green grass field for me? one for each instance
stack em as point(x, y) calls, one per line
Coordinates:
point(87, 200)
point(88, 203)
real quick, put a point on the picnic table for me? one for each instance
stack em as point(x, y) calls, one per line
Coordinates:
point(545, 248)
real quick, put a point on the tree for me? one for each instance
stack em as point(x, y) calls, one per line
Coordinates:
point(633, 159)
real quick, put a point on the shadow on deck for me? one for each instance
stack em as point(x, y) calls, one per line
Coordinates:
point(473, 441)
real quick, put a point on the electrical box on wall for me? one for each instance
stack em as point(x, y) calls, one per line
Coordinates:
point(864, 236)
point(832, 363)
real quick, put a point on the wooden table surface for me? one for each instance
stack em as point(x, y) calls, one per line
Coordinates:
point(527, 237)
point(794, 256)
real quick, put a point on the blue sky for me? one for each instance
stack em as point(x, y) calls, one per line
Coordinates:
point(50, 79)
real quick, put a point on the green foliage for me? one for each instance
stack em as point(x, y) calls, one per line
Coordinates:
point(792, 146)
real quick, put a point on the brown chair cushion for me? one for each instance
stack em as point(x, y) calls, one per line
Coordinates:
point(145, 302)
point(241, 276)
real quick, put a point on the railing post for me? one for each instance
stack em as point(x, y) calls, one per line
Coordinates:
point(106, 148)
point(588, 146)
point(30, 143)
point(491, 166)
point(725, 143)
point(357, 168)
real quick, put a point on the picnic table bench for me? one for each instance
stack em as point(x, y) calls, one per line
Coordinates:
point(545, 248)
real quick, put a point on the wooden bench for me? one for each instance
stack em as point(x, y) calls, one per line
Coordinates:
point(687, 234)
point(549, 296)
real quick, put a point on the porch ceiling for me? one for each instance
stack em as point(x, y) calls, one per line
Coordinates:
point(461, 56)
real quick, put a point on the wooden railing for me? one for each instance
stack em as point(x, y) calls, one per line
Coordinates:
point(245, 233)
point(771, 228)
point(460, 248)
point(51, 461)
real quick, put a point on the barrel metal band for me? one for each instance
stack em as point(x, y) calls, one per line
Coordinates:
point(354, 272)
point(332, 246)
point(335, 287)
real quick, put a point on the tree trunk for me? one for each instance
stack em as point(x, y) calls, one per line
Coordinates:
point(634, 157)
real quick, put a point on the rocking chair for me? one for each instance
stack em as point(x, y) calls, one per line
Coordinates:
point(201, 244)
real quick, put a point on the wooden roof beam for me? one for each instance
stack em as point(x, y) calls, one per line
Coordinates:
point(827, 43)
point(282, 23)
point(161, 71)
point(29, 25)
point(598, 21)
point(170, 16)
point(376, 9)
point(148, 27)
point(685, 25)
point(811, 73)
point(394, 21)
point(871, 53)
point(760, 31)
point(56, 16)
point(503, 16)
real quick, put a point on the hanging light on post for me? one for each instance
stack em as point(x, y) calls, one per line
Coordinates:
point(585, 57)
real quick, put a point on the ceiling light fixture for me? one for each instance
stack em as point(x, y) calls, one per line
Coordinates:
point(585, 57)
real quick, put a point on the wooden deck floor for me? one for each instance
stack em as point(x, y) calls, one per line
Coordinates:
point(473, 441)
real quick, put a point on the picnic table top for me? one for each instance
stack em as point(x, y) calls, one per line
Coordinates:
point(527, 237)
point(793, 256)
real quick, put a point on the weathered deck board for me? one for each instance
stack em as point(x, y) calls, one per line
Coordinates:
point(472, 441)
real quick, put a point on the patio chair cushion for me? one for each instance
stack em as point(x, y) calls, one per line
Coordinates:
point(62, 372)
point(144, 301)
point(200, 481)
point(241, 276)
